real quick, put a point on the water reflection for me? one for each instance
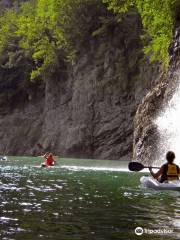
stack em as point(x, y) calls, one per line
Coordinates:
point(65, 204)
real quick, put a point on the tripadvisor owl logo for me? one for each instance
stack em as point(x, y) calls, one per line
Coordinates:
point(138, 231)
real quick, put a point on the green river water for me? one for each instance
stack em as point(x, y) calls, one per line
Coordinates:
point(82, 200)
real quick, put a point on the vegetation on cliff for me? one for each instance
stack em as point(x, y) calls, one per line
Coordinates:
point(43, 27)
point(42, 30)
point(47, 29)
point(158, 18)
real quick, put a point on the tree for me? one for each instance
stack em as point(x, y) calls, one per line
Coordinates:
point(158, 18)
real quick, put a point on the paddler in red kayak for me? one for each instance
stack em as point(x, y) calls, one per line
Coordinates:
point(49, 160)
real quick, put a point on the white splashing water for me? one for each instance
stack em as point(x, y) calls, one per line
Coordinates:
point(168, 124)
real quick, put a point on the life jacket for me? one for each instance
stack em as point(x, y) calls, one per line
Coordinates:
point(49, 161)
point(172, 172)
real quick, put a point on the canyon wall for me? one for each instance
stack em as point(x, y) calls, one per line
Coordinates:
point(149, 146)
point(85, 109)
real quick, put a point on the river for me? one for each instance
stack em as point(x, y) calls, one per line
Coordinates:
point(82, 200)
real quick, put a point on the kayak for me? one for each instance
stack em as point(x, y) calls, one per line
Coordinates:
point(40, 166)
point(3, 158)
point(150, 182)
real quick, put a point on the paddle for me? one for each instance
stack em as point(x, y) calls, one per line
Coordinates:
point(42, 149)
point(137, 166)
point(46, 155)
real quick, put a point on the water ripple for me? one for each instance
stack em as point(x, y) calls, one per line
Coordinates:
point(80, 203)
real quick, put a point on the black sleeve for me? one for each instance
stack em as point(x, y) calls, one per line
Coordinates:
point(165, 168)
point(178, 170)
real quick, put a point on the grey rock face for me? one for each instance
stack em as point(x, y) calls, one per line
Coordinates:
point(89, 108)
point(5, 3)
point(10, 3)
point(146, 135)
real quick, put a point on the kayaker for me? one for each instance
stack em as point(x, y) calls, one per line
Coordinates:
point(168, 171)
point(49, 160)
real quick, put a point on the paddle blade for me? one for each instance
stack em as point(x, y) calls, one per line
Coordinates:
point(135, 166)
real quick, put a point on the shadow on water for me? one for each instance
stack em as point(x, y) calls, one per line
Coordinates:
point(98, 200)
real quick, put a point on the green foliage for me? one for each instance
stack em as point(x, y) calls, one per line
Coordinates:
point(47, 29)
point(37, 27)
point(8, 26)
point(158, 20)
point(119, 6)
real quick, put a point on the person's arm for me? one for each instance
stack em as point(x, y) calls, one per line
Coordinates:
point(54, 159)
point(158, 173)
point(46, 155)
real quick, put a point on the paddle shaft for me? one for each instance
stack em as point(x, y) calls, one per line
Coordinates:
point(151, 167)
point(137, 166)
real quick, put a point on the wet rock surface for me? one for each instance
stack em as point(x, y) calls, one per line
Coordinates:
point(146, 135)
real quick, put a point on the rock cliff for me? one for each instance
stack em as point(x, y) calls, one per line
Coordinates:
point(147, 146)
point(86, 109)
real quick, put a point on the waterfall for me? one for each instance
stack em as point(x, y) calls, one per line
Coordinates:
point(168, 125)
